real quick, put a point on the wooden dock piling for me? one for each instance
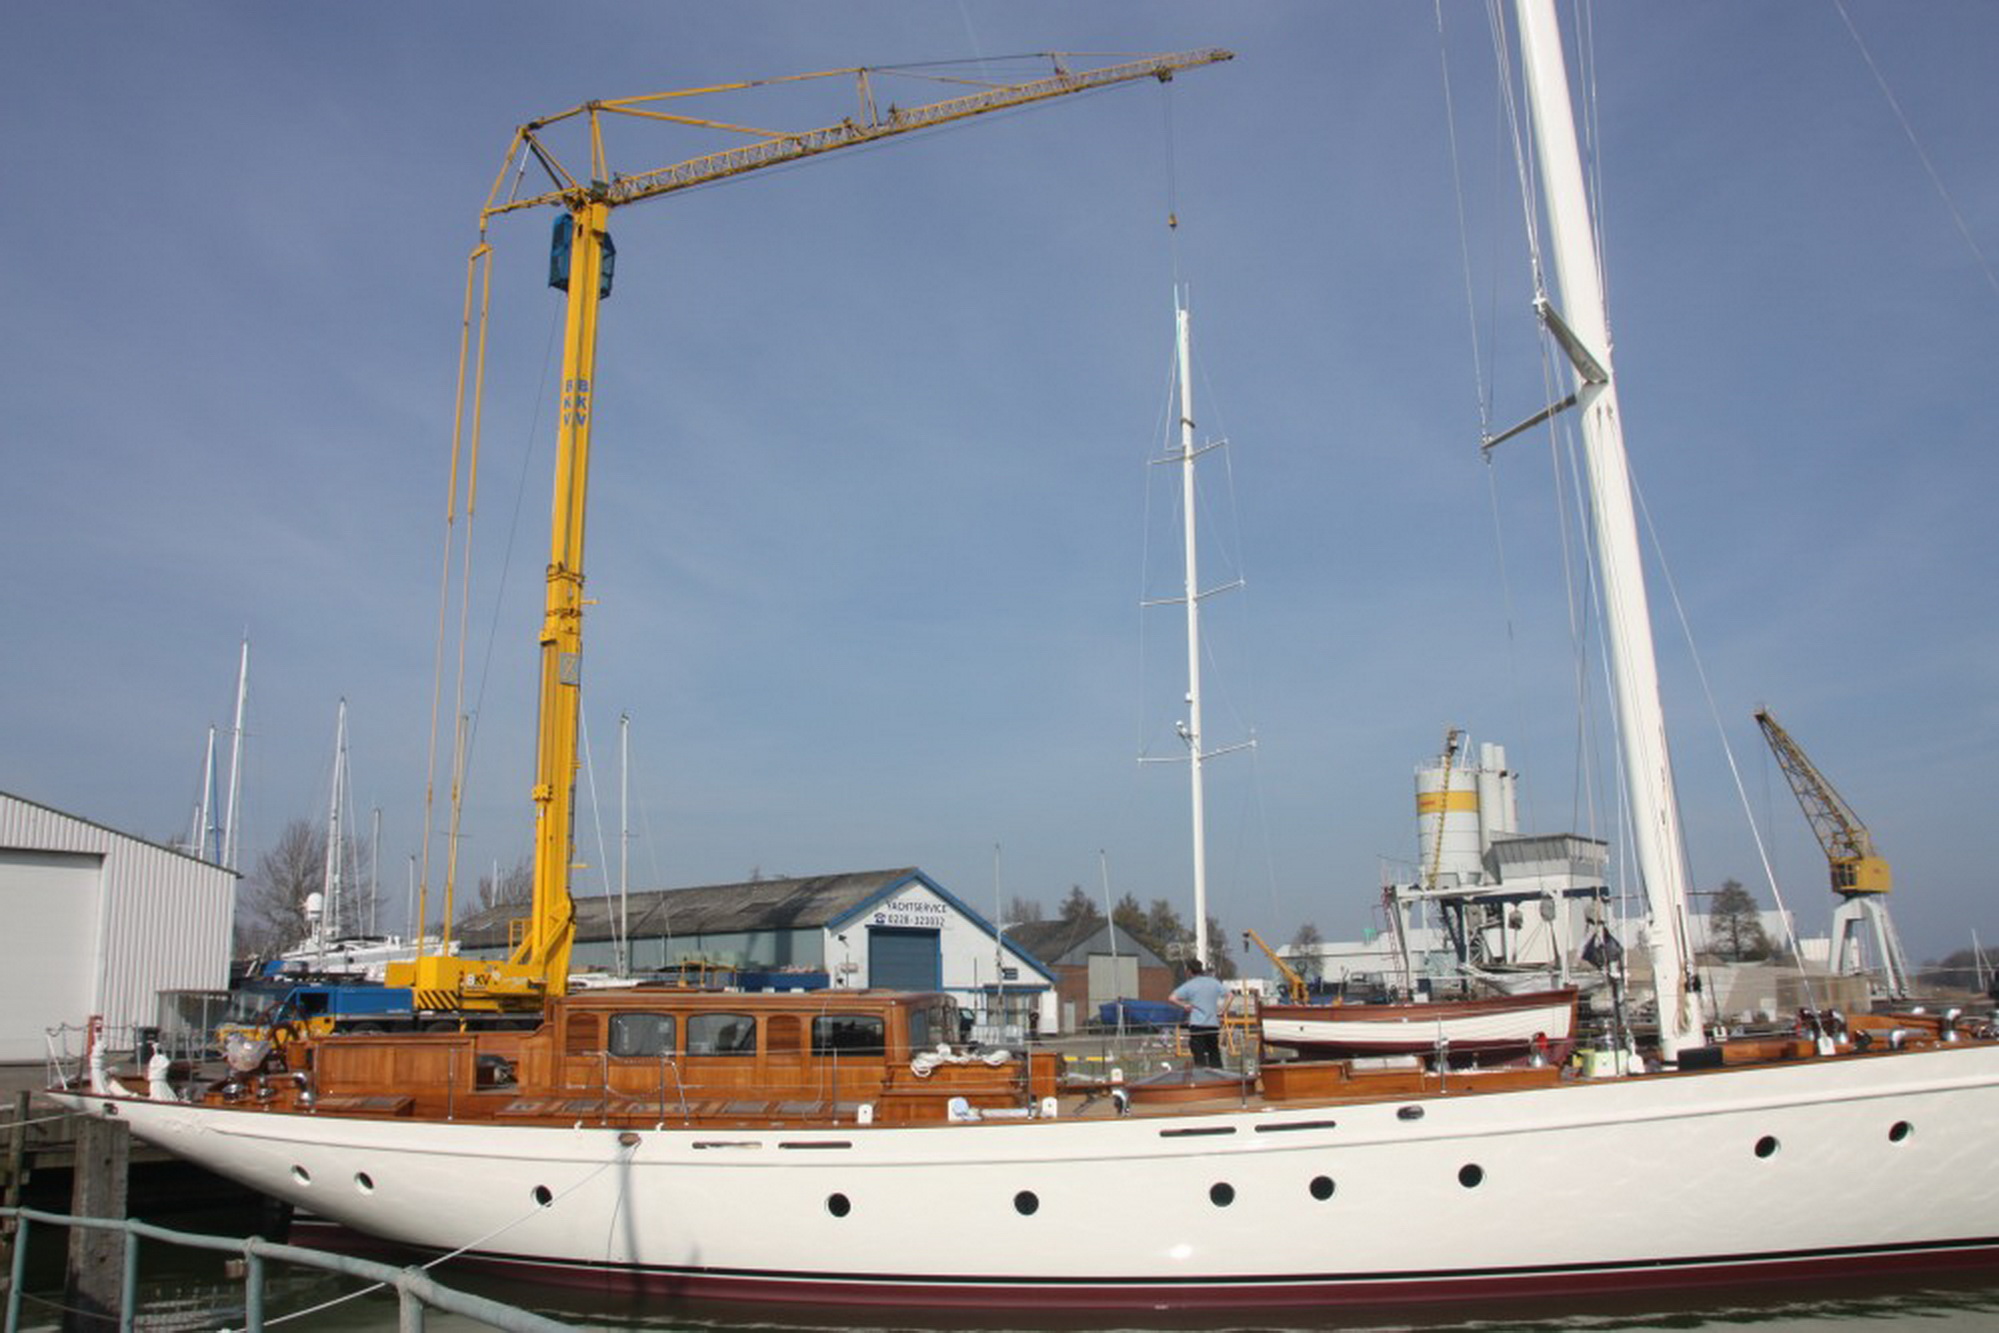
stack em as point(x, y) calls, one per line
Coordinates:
point(93, 1281)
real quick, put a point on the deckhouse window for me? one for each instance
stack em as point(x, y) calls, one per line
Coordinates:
point(932, 1025)
point(847, 1034)
point(638, 1035)
point(721, 1034)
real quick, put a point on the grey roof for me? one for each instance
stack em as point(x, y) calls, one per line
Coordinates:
point(758, 904)
point(1070, 943)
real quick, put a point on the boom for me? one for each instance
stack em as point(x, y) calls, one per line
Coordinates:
point(582, 265)
point(774, 147)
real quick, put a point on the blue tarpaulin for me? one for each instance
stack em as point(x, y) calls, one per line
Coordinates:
point(1141, 1013)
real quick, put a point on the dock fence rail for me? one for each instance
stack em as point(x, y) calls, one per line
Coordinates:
point(417, 1290)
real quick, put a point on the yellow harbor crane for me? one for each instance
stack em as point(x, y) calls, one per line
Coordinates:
point(1860, 875)
point(581, 264)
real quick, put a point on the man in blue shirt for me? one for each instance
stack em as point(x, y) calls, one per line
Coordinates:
point(1202, 997)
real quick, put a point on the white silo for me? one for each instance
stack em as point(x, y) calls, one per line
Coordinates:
point(1498, 807)
point(1449, 847)
point(1480, 805)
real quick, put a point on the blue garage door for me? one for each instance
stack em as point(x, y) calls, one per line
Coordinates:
point(902, 959)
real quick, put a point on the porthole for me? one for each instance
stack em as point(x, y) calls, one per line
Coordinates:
point(543, 1196)
point(1409, 1113)
point(1471, 1175)
point(1322, 1188)
point(364, 1182)
point(1025, 1203)
point(839, 1205)
point(1900, 1130)
point(1766, 1146)
point(1221, 1194)
point(301, 1175)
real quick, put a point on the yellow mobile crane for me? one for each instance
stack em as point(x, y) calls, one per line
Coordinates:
point(1860, 875)
point(1294, 983)
point(581, 264)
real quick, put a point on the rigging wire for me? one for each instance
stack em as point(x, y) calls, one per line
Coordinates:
point(1721, 731)
point(1592, 122)
point(1484, 374)
point(1922, 155)
point(478, 271)
point(1483, 390)
point(597, 821)
point(1569, 490)
point(457, 572)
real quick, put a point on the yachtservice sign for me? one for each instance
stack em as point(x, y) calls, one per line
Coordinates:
point(912, 911)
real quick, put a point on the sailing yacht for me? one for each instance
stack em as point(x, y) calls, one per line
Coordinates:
point(841, 1148)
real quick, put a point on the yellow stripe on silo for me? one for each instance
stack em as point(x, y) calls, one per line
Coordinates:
point(1447, 802)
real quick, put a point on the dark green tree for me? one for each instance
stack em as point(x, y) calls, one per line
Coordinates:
point(1221, 961)
point(1080, 910)
point(1306, 941)
point(1735, 928)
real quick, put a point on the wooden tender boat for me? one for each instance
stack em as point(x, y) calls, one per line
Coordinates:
point(1478, 1030)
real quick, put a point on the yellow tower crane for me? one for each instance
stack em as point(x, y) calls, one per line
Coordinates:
point(1860, 875)
point(581, 264)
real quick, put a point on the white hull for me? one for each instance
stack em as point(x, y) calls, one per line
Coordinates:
point(1640, 1181)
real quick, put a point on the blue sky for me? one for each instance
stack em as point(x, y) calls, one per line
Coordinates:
point(870, 516)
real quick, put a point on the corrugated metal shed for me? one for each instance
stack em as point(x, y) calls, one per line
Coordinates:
point(99, 922)
point(1070, 943)
point(712, 909)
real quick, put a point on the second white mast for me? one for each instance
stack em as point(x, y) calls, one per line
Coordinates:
point(1183, 358)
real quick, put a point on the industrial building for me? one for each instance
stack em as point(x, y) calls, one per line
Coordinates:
point(894, 929)
point(1093, 963)
point(99, 923)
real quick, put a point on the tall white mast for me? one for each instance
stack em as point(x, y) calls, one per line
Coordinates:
point(329, 908)
point(1191, 729)
point(1192, 734)
point(624, 840)
point(200, 836)
point(1582, 329)
point(229, 832)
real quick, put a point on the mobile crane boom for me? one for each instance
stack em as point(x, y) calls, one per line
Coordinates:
point(1294, 982)
point(581, 264)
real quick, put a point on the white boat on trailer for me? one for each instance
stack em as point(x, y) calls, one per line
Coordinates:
point(1535, 1024)
point(826, 1149)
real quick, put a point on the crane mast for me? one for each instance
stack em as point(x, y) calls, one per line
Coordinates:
point(1860, 875)
point(582, 264)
